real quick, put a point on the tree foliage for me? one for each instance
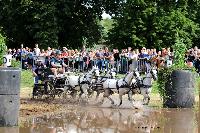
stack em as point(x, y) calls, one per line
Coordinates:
point(154, 24)
point(71, 23)
point(2, 48)
point(51, 23)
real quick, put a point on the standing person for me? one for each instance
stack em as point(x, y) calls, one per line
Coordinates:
point(42, 53)
point(143, 53)
point(37, 50)
point(116, 58)
point(99, 56)
point(30, 57)
point(77, 59)
point(137, 52)
point(123, 65)
point(83, 59)
point(112, 60)
point(18, 55)
point(65, 55)
point(134, 60)
point(49, 51)
point(129, 56)
point(24, 58)
point(107, 56)
point(91, 59)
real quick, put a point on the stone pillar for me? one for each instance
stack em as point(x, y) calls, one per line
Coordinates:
point(9, 96)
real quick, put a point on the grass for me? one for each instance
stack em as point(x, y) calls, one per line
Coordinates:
point(26, 79)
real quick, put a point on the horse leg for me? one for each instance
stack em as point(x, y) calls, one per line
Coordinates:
point(90, 91)
point(112, 102)
point(97, 96)
point(120, 98)
point(79, 97)
point(122, 92)
point(146, 98)
point(106, 94)
point(130, 94)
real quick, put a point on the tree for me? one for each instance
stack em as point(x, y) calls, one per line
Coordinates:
point(2, 48)
point(153, 24)
point(53, 23)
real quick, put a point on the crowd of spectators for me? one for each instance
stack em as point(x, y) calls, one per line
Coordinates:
point(103, 57)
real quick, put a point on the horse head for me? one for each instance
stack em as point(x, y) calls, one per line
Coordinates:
point(112, 73)
point(95, 71)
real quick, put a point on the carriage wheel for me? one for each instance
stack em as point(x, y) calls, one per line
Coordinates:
point(39, 95)
point(59, 92)
point(50, 92)
point(39, 92)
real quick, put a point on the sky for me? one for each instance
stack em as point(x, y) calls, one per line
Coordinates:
point(105, 15)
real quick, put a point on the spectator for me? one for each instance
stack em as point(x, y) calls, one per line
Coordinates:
point(99, 56)
point(143, 53)
point(36, 50)
point(107, 56)
point(42, 53)
point(49, 51)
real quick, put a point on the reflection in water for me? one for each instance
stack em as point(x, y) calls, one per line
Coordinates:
point(104, 120)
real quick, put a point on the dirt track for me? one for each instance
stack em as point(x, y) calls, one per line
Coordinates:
point(88, 117)
point(30, 107)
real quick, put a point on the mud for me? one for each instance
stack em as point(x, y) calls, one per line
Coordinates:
point(73, 116)
point(76, 117)
point(107, 120)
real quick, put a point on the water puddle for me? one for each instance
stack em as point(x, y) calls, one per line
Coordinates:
point(107, 120)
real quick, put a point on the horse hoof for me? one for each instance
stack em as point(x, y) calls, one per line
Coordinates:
point(145, 103)
point(134, 107)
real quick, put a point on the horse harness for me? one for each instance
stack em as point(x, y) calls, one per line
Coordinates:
point(126, 85)
point(84, 81)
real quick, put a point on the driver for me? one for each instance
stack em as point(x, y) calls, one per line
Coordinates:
point(57, 64)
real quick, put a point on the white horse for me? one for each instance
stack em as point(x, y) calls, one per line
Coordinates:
point(81, 83)
point(97, 83)
point(143, 86)
point(120, 86)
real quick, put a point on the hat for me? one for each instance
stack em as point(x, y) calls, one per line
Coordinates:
point(58, 52)
point(65, 48)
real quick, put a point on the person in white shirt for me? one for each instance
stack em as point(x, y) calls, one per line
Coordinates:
point(37, 50)
point(49, 51)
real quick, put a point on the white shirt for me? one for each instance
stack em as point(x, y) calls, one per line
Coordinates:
point(37, 51)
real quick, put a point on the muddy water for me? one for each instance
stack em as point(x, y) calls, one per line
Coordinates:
point(108, 120)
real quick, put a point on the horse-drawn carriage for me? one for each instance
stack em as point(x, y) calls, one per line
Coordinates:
point(51, 86)
point(48, 86)
point(90, 82)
